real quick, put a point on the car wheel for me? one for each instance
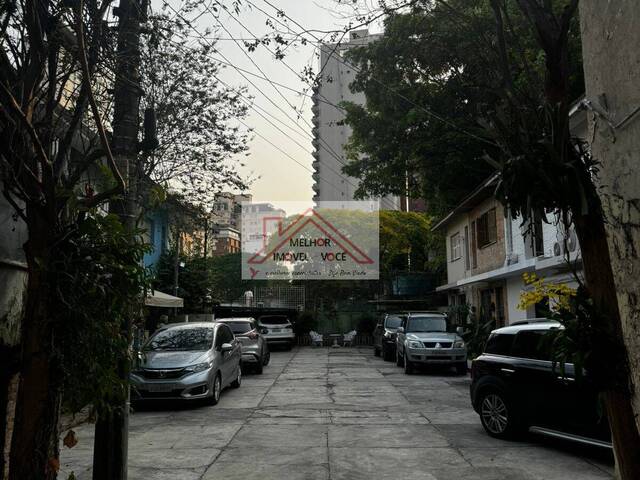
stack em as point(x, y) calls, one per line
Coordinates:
point(498, 416)
point(376, 351)
point(399, 361)
point(289, 346)
point(216, 389)
point(461, 368)
point(267, 358)
point(408, 366)
point(236, 383)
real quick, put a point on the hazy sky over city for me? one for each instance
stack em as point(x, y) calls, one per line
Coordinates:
point(274, 168)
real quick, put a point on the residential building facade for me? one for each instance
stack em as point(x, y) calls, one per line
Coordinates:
point(330, 184)
point(488, 251)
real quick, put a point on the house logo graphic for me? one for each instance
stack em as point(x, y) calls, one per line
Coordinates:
point(314, 245)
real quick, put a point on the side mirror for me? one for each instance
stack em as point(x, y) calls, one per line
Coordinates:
point(400, 330)
point(226, 347)
point(460, 331)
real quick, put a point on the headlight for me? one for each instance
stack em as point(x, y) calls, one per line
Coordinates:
point(200, 367)
point(414, 344)
point(458, 344)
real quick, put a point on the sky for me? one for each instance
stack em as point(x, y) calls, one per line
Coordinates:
point(272, 153)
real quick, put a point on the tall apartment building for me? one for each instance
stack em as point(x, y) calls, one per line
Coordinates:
point(226, 208)
point(330, 184)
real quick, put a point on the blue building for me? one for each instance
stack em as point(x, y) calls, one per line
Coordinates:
point(157, 231)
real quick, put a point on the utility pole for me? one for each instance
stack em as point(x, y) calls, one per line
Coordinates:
point(112, 428)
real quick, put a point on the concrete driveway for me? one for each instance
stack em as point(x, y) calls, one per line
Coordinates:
point(334, 414)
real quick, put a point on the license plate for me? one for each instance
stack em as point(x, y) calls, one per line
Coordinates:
point(160, 387)
point(276, 330)
point(436, 352)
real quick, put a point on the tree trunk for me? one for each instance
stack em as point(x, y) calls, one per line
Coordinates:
point(610, 38)
point(34, 446)
point(610, 359)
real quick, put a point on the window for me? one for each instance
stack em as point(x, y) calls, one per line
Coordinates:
point(223, 335)
point(534, 344)
point(499, 344)
point(467, 262)
point(426, 324)
point(455, 246)
point(181, 339)
point(487, 230)
point(474, 246)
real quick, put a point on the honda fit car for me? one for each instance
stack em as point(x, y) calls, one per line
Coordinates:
point(255, 351)
point(423, 339)
point(384, 336)
point(277, 329)
point(188, 361)
point(515, 386)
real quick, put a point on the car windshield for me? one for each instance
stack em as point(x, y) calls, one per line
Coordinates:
point(393, 322)
point(238, 327)
point(181, 339)
point(274, 320)
point(426, 324)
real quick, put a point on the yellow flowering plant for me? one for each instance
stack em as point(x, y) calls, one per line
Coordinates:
point(560, 295)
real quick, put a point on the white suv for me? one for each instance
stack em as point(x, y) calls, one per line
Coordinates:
point(277, 329)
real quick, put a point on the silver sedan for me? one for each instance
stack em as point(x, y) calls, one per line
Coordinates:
point(187, 361)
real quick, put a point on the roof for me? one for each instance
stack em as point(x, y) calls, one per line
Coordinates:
point(536, 325)
point(188, 325)
point(163, 300)
point(479, 194)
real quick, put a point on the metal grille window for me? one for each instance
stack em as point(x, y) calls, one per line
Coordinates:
point(487, 229)
point(456, 250)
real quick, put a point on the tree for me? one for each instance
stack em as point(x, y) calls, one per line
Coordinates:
point(197, 115)
point(52, 135)
point(519, 71)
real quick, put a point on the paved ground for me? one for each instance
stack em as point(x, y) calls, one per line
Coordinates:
point(342, 414)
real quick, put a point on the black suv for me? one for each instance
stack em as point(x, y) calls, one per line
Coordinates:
point(515, 386)
point(384, 335)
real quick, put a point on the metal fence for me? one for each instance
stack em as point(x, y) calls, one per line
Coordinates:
point(359, 340)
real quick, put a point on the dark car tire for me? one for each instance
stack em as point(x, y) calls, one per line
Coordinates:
point(399, 361)
point(267, 359)
point(461, 368)
point(216, 389)
point(259, 368)
point(376, 351)
point(498, 414)
point(408, 366)
point(238, 381)
point(289, 346)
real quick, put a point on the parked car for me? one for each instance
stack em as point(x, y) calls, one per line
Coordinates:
point(384, 336)
point(422, 338)
point(188, 361)
point(515, 386)
point(277, 329)
point(255, 351)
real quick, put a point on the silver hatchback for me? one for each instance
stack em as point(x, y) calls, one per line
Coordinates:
point(187, 361)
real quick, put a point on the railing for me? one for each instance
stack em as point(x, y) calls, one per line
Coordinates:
point(359, 340)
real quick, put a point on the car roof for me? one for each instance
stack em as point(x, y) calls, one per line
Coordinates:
point(235, 319)
point(534, 325)
point(426, 312)
point(188, 325)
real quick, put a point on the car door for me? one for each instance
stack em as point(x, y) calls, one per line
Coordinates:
point(400, 336)
point(226, 336)
point(534, 379)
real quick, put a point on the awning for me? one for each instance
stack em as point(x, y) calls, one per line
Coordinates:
point(163, 300)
